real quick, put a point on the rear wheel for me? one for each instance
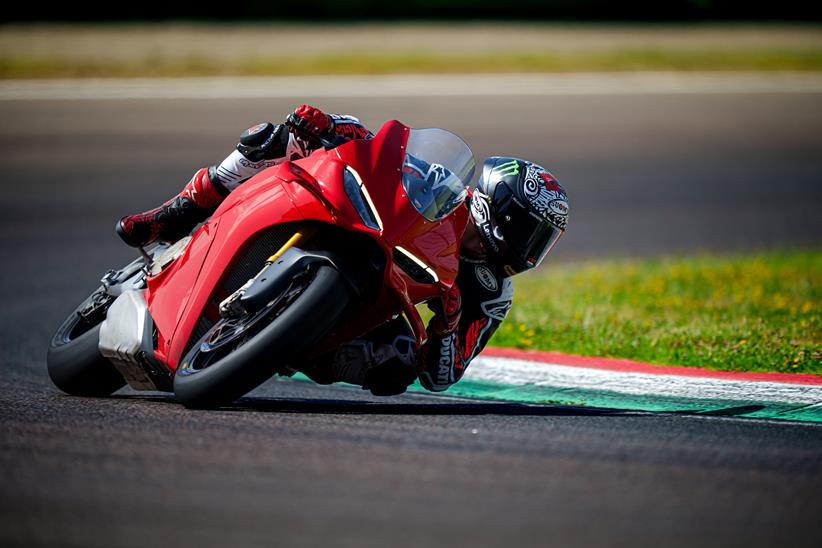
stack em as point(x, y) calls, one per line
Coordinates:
point(237, 355)
point(75, 364)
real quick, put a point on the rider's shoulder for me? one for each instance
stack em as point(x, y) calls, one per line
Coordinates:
point(483, 277)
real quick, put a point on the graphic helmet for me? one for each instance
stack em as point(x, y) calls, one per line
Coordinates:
point(520, 211)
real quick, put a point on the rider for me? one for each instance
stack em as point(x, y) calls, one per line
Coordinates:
point(518, 212)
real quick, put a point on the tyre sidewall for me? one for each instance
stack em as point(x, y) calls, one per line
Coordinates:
point(302, 325)
point(76, 367)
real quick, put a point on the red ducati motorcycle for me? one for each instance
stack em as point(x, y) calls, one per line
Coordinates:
point(301, 258)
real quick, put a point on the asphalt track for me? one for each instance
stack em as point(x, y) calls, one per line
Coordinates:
point(297, 464)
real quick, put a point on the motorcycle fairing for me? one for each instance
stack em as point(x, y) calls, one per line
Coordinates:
point(311, 189)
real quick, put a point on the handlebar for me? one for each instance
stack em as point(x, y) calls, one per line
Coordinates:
point(295, 124)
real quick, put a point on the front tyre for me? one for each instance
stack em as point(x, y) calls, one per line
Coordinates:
point(74, 362)
point(234, 358)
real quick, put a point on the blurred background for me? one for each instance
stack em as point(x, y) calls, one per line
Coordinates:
point(688, 134)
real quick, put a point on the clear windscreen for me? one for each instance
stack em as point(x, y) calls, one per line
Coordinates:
point(436, 172)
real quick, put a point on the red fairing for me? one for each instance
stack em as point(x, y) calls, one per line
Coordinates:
point(311, 189)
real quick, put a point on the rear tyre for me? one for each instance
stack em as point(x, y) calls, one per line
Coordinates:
point(233, 359)
point(74, 362)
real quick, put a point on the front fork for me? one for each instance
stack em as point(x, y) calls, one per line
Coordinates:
point(233, 305)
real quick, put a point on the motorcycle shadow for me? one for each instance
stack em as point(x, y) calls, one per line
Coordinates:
point(466, 407)
point(252, 404)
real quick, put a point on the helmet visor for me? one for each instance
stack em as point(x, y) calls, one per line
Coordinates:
point(528, 236)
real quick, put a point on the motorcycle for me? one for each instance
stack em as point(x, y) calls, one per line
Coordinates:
point(303, 257)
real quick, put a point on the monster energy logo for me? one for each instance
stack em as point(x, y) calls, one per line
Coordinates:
point(508, 168)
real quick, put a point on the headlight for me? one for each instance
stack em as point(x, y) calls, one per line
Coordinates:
point(360, 199)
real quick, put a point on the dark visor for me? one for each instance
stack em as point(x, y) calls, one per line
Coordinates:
point(529, 237)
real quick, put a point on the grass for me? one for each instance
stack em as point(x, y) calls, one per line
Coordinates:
point(22, 66)
point(740, 313)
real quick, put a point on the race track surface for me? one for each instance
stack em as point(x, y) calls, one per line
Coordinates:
point(298, 464)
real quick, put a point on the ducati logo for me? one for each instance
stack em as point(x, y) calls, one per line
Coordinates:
point(446, 361)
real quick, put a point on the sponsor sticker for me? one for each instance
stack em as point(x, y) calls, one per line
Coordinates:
point(256, 129)
point(257, 165)
point(560, 207)
point(508, 168)
point(480, 207)
point(445, 374)
point(485, 277)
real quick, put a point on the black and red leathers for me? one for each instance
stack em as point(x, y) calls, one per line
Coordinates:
point(486, 299)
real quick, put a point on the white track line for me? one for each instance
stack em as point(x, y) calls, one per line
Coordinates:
point(513, 372)
point(418, 85)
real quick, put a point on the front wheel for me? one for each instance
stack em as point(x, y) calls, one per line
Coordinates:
point(74, 362)
point(238, 355)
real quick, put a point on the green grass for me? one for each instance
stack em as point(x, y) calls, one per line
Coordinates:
point(742, 313)
point(23, 66)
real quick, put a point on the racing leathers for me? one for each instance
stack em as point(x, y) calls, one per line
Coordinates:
point(486, 299)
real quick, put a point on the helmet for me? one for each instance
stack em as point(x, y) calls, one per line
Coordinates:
point(520, 211)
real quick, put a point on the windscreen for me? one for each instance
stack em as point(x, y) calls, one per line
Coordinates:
point(436, 172)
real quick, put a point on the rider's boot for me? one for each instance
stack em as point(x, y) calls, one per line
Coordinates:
point(175, 218)
point(384, 363)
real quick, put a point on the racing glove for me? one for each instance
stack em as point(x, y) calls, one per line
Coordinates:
point(309, 122)
point(447, 312)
